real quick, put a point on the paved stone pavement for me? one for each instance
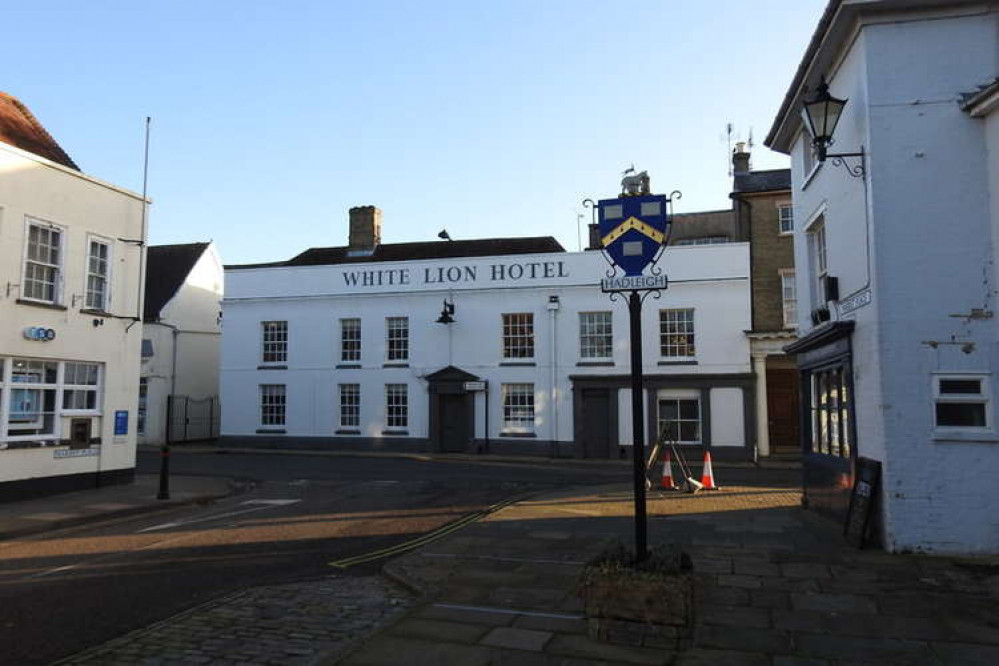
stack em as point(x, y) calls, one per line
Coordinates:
point(293, 624)
point(775, 585)
point(72, 509)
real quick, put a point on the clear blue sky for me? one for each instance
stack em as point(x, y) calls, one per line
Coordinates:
point(271, 119)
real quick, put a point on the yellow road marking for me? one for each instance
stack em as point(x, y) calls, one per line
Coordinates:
point(429, 537)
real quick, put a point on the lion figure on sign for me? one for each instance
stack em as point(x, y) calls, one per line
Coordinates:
point(634, 184)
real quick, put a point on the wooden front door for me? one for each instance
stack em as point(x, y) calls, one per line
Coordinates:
point(782, 409)
point(454, 422)
point(597, 438)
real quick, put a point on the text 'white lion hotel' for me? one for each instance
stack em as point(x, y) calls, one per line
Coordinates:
point(502, 345)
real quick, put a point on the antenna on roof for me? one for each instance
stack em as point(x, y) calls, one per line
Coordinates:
point(728, 153)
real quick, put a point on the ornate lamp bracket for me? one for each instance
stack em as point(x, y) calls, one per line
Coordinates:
point(858, 170)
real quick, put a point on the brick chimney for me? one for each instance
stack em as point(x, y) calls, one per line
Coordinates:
point(740, 159)
point(594, 237)
point(365, 227)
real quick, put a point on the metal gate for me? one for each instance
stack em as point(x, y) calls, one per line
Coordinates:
point(191, 420)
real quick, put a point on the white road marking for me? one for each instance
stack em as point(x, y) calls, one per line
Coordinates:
point(260, 506)
point(56, 570)
point(508, 611)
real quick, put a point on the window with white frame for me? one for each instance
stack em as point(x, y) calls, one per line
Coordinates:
point(518, 335)
point(819, 264)
point(680, 418)
point(789, 297)
point(808, 157)
point(350, 405)
point(98, 274)
point(350, 340)
point(596, 339)
point(272, 404)
point(676, 333)
point(397, 338)
point(43, 263)
point(785, 218)
point(81, 382)
point(275, 341)
point(396, 405)
point(518, 406)
point(36, 393)
point(961, 401)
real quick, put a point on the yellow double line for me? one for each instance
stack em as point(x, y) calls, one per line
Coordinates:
point(427, 538)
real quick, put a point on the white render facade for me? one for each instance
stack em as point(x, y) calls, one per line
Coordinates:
point(180, 355)
point(545, 351)
point(903, 371)
point(69, 343)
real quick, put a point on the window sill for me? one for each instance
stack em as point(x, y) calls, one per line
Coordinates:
point(41, 304)
point(396, 433)
point(29, 444)
point(95, 313)
point(348, 366)
point(518, 434)
point(523, 364)
point(595, 364)
point(677, 362)
point(271, 431)
point(811, 174)
point(965, 436)
point(395, 365)
point(346, 431)
point(272, 367)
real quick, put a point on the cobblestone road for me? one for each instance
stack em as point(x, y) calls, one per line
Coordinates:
point(295, 624)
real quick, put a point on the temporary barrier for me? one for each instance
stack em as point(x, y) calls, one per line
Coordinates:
point(708, 475)
point(666, 482)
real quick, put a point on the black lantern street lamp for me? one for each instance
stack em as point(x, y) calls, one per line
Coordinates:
point(447, 313)
point(822, 113)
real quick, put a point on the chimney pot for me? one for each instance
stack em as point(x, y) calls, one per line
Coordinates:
point(740, 159)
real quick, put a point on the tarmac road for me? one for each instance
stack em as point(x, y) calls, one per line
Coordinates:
point(61, 592)
point(64, 591)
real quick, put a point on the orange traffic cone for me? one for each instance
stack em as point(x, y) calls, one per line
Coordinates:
point(666, 483)
point(708, 476)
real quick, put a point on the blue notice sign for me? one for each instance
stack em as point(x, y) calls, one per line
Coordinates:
point(121, 422)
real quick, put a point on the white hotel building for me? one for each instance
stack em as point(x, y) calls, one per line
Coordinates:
point(341, 348)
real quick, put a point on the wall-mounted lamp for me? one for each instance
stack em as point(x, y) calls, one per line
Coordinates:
point(446, 313)
point(822, 113)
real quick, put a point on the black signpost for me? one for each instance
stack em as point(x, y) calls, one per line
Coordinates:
point(634, 230)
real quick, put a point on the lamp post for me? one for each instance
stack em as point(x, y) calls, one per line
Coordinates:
point(822, 112)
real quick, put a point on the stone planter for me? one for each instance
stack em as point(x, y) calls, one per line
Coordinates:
point(648, 606)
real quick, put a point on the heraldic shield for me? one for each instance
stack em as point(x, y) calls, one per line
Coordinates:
point(633, 230)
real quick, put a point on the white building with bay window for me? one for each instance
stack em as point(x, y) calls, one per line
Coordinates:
point(349, 348)
point(70, 259)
